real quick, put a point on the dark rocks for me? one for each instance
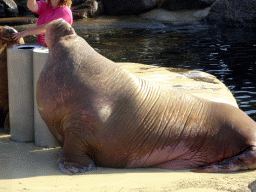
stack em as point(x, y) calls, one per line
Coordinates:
point(228, 12)
point(23, 9)
point(86, 8)
point(8, 8)
point(177, 5)
point(14, 8)
point(128, 7)
point(233, 12)
point(2, 11)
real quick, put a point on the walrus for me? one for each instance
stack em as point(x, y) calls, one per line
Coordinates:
point(104, 116)
point(5, 41)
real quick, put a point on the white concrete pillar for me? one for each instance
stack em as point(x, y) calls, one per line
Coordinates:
point(20, 86)
point(43, 137)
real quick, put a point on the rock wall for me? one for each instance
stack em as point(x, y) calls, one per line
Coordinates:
point(8, 8)
point(128, 7)
point(233, 12)
point(228, 12)
point(177, 5)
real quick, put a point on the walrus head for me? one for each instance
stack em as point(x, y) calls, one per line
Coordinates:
point(6, 38)
point(56, 30)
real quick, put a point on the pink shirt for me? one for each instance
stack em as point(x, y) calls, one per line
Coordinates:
point(47, 14)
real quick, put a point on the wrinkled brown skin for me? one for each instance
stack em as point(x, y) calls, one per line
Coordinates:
point(5, 41)
point(104, 116)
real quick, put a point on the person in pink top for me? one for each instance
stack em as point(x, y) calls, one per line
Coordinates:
point(48, 11)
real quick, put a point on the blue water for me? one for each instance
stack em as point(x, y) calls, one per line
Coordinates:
point(227, 53)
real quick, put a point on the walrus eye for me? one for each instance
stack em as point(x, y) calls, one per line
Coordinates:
point(69, 30)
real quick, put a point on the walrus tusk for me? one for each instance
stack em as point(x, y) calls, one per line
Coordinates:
point(3, 48)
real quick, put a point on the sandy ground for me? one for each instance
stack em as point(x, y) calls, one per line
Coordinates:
point(26, 167)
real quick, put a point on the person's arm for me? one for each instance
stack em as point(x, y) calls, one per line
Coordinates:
point(32, 5)
point(33, 31)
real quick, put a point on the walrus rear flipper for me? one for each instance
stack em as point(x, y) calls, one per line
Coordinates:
point(242, 161)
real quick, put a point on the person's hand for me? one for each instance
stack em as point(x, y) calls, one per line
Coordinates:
point(17, 36)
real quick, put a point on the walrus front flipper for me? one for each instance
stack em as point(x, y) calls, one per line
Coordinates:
point(71, 168)
point(242, 161)
point(74, 158)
